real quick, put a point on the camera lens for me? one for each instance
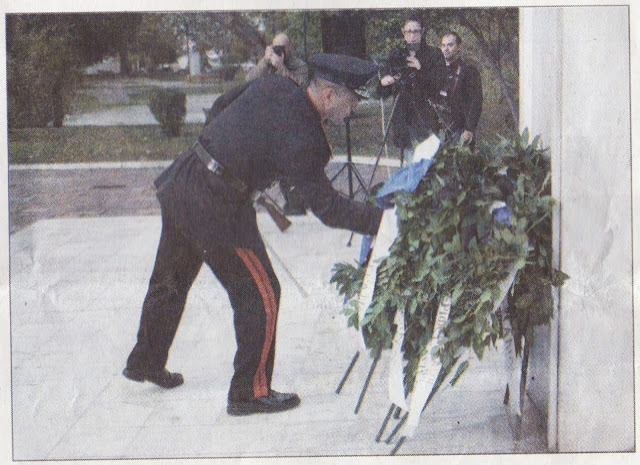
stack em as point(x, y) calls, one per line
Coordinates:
point(278, 50)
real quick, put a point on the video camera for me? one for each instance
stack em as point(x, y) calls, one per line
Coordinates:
point(398, 61)
point(278, 50)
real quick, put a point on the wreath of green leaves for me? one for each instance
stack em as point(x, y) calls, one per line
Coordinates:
point(451, 244)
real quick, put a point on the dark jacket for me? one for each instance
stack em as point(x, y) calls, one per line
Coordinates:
point(463, 89)
point(413, 117)
point(263, 131)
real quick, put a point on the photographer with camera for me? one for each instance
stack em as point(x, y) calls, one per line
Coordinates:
point(412, 75)
point(279, 59)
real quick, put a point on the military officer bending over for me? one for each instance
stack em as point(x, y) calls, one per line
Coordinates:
point(261, 132)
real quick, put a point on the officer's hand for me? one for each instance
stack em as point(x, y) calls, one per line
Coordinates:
point(412, 62)
point(268, 53)
point(387, 80)
point(467, 135)
point(277, 61)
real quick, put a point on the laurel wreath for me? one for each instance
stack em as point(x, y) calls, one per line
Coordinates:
point(474, 219)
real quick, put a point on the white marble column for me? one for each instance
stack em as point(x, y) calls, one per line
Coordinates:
point(575, 92)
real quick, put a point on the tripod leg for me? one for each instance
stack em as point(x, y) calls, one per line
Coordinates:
point(349, 164)
point(348, 372)
point(335, 176)
point(350, 239)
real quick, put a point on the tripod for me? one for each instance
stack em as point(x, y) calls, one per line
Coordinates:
point(349, 165)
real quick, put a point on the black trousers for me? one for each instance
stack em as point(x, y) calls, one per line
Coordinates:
point(254, 293)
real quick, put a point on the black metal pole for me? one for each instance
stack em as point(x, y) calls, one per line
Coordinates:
point(346, 374)
point(385, 422)
point(398, 445)
point(397, 428)
point(384, 141)
point(366, 384)
point(349, 162)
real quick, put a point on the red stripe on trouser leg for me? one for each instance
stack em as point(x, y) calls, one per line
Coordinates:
point(255, 267)
point(270, 326)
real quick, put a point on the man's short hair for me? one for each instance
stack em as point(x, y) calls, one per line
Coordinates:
point(455, 35)
point(413, 17)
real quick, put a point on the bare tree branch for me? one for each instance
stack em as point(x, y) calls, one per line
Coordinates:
point(493, 62)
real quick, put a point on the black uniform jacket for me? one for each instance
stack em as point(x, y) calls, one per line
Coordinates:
point(413, 117)
point(263, 131)
point(464, 94)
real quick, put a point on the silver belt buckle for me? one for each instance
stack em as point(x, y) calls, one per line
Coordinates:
point(213, 166)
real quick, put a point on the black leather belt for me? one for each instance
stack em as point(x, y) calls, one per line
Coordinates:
point(219, 170)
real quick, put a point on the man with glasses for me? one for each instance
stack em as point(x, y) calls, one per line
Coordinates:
point(412, 75)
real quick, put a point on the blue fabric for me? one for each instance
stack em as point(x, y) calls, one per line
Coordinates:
point(365, 246)
point(406, 179)
point(503, 215)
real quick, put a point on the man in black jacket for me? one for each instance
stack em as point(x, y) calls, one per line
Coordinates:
point(461, 91)
point(412, 73)
point(263, 131)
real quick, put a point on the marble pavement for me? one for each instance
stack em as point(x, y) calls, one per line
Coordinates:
point(77, 286)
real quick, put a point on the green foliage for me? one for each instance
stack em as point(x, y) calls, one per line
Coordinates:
point(450, 243)
point(86, 144)
point(155, 42)
point(42, 70)
point(169, 108)
point(225, 72)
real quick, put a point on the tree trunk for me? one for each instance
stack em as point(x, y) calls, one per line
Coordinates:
point(344, 32)
point(57, 105)
point(125, 66)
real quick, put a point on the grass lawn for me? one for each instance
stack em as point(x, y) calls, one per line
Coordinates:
point(81, 144)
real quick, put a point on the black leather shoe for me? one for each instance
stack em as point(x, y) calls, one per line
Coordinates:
point(163, 378)
point(274, 402)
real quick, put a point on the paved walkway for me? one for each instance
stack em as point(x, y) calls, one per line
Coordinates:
point(138, 115)
point(77, 285)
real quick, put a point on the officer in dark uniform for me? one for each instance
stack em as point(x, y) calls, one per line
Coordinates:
point(461, 92)
point(412, 74)
point(263, 131)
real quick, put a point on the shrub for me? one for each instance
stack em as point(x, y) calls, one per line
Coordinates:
point(169, 107)
point(225, 72)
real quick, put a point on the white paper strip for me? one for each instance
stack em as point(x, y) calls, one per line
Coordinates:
point(513, 365)
point(426, 149)
point(387, 232)
point(428, 370)
point(396, 364)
